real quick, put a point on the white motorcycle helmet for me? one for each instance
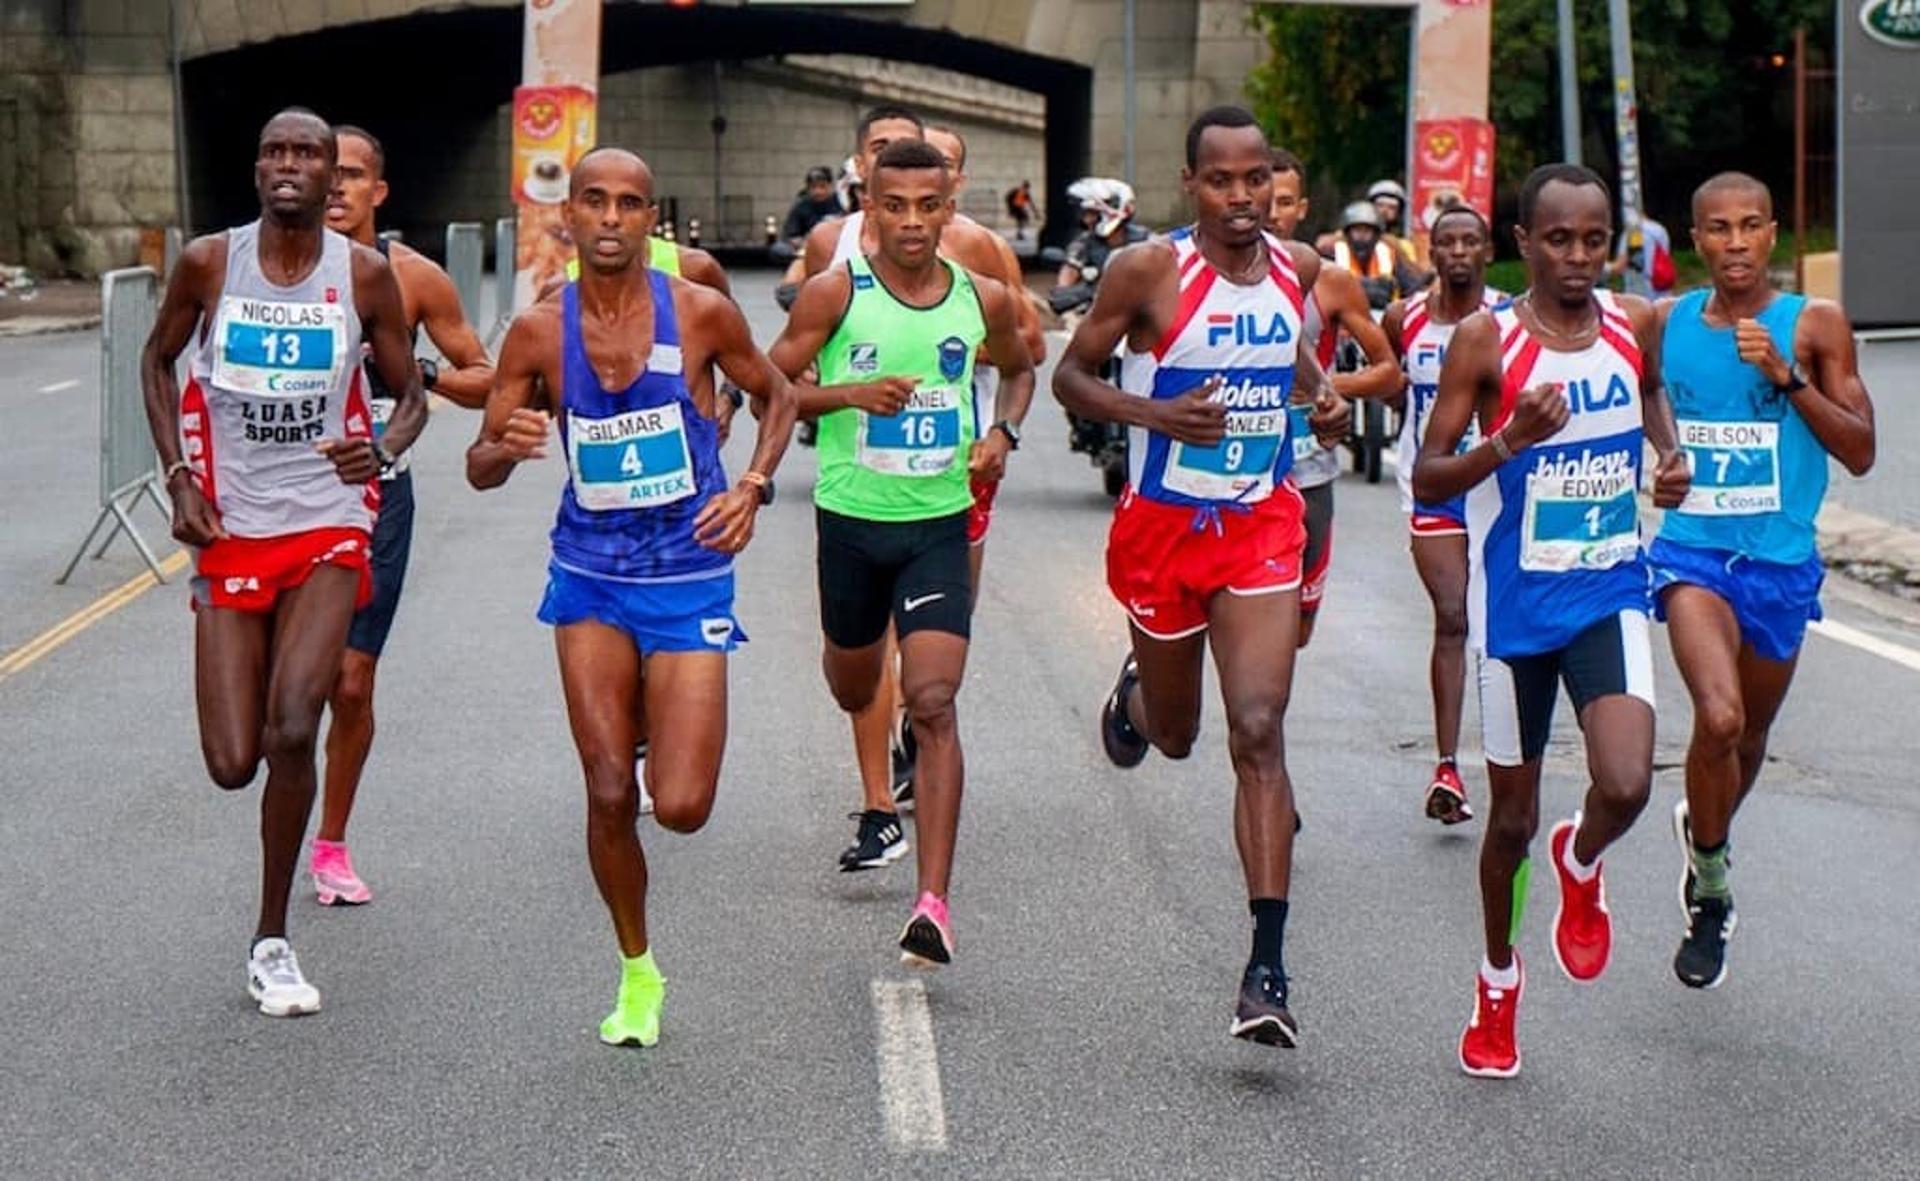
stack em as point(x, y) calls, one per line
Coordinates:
point(1112, 199)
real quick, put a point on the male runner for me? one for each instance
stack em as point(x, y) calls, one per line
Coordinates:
point(429, 300)
point(1208, 537)
point(277, 487)
point(887, 779)
point(1565, 385)
point(896, 334)
point(640, 586)
point(1337, 304)
point(1420, 327)
point(1765, 386)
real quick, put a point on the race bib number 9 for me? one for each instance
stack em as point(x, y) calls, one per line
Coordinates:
point(1239, 467)
point(1579, 523)
point(279, 350)
point(922, 440)
point(634, 460)
point(1736, 468)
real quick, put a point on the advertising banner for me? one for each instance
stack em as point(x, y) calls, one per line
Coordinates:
point(1452, 164)
point(1451, 155)
point(553, 126)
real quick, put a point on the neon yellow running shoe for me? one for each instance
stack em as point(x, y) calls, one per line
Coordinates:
point(636, 1013)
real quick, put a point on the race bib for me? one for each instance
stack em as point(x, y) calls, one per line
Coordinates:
point(1240, 466)
point(279, 350)
point(1300, 432)
point(634, 460)
point(1736, 467)
point(1579, 522)
point(922, 440)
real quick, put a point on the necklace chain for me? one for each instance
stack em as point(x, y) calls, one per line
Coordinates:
point(1555, 333)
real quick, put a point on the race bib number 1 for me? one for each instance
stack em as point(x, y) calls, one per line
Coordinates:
point(922, 440)
point(1736, 467)
point(1300, 432)
point(279, 350)
point(1592, 526)
point(634, 460)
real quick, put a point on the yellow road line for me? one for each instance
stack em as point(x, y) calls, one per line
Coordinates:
point(25, 655)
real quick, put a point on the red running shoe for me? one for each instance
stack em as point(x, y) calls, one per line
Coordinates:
point(1487, 1045)
point(1447, 796)
point(1582, 928)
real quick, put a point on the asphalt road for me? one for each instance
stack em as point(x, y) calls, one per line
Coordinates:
point(1099, 914)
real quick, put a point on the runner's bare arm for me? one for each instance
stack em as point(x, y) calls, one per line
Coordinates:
point(1332, 416)
point(383, 316)
point(1469, 375)
point(697, 266)
point(1390, 323)
point(1835, 403)
point(747, 367)
point(816, 312)
point(511, 431)
point(469, 378)
point(725, 522)
point(1381, 378)
point(1671, 475)
point(817, 255)
point(1009, 273)
point(1013, 358)
point(195, 282)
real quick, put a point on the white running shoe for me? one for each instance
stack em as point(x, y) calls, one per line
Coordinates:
point(274, 979)
point(640, 778)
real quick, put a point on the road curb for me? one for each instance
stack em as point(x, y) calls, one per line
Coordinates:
point(21, 326)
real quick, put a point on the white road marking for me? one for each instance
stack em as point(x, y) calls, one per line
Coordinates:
point(58, 386)
point(910, 1096)
point(1866, 642)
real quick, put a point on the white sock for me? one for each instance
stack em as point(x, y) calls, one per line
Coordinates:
point(1570, 860)
point(1505, 978)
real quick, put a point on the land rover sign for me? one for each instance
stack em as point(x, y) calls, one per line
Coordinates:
point(1892, 22)
point(1879, 101)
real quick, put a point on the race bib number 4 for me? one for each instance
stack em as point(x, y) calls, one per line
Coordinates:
point(634, 460)
point(1579, 519)
point(1736, 468)
point(922, 440)
point(279, 350)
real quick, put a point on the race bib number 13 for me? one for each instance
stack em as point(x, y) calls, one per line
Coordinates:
point(272, 349)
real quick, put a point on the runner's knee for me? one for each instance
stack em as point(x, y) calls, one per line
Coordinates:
point(1253, 732)
point(231, 769)
point(1450, 622)
point(930, 706)
point(289, 735)
point(612, 791)
point(353, 692)
point(1720, 722)
point(1624, 788)
point(683, 813)
point(1512, 823)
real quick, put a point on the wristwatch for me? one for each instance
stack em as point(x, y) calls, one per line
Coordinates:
point(429, 373)
point(732, 393)
point(1011, 430)
point(1796, 380)
point(385, 458)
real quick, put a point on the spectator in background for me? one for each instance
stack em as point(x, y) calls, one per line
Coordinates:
point(816, 203)
point(1645, 258)
point(1020, 208)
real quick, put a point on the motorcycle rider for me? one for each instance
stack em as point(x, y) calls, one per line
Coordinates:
point(1364, 249)
point(1389, 200)
point(1106, 221)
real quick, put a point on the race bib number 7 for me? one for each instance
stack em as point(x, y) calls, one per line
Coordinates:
point(1736, 467)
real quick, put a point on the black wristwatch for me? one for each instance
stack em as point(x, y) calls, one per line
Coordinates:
point(731, 393)
point(1796, 380)
point(429, 373)
point(385, 458)
point(1011, 430)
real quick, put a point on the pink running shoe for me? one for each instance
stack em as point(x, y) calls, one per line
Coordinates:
point(928, 940)
point(334, 881)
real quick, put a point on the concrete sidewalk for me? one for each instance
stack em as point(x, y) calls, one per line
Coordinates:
point(62, 305)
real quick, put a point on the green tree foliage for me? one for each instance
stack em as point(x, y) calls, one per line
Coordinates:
point(1710, 98)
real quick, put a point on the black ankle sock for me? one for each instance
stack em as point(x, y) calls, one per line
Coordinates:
point(1269, 930)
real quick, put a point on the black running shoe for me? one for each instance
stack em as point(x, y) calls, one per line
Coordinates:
point(1262, 1013)
point(878, 843)
point(1702, 959)
point(906, 754)
point(1125, 745)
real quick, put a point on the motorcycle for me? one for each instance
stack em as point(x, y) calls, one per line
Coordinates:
point(1103, 443)
point(1373, 429)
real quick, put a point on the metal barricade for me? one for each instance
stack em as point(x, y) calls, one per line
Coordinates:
point(467, 263)
point(129, 469)
point(505, 264)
